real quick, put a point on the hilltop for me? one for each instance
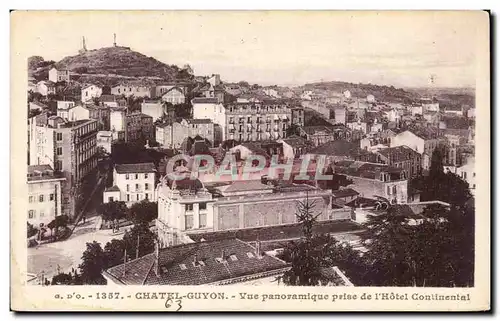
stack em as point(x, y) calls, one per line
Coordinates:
point(382, 93)
point(116, 62)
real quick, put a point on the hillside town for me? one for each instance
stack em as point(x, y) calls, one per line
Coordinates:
point(103, 207)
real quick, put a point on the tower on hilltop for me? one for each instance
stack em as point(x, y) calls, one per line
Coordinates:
point(114, 40)
point(84, 46)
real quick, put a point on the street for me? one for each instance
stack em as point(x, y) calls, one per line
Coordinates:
point(67, 254)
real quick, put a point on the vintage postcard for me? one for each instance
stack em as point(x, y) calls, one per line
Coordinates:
point(250, 161)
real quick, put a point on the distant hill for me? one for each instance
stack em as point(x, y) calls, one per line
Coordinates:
point(114, 62)
point(382, 93)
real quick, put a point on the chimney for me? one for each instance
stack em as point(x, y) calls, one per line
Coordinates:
point(223, 255)
point(257, 249)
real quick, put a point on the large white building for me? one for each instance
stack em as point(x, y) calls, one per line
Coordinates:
point(44, 194)
point(132, 183)
point(90, 92)
point(210, 108)
point(56, 75)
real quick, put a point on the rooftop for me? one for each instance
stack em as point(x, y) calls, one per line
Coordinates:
point(135, 168)
point(346, 192)
point(366, 170)
point(113, 188)
point(196, 264)
point(398, 153)
point(203, 100)
point(337, 148)
point(42, 172)
point(244, 186)
point(277, 233)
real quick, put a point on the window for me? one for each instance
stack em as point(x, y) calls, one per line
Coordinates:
point(31, 198)
point(464, 174)
point(474, 174)
point(128, 188)
point(394, 189)
point(40, 198)
point(147, 196)
point(136, 176)
point(473, 186)
point(59, 151)
point(203, 220)
point(59, 136)
point(42, 214)
point(188, 220)
point(203, 206)
point(138, 196)
point(146, 186)
point(189, 207)
point(146, 175)
point(388, 190)
point(31, 214)
point(51, 197)
point(136, 187)
point(128, 197)
point(126, 176)
point(58, 165)
point(110, 199)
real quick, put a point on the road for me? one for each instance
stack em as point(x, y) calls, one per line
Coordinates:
point(67, 254)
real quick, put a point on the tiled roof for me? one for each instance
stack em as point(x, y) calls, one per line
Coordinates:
point(113, 188)
point(296, 142)
point(196, 264)
point(337, 148)
point(32, 169)
point(366, 170)
point(107, 98)
point(344, 193)
point(199, 121)
point(135, 168)
point(245, 186)
point(398, 153)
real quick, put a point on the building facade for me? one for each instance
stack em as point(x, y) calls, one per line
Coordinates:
point(56, 75)
point(90, 92)
point(131, 90)
point(139, 127)
point(175, 96)
point(69, 148)
point(173, 135)
point(154, 109)
point(132, 183)
point(44, 194)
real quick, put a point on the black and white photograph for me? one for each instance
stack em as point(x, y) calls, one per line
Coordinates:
point(271, 149)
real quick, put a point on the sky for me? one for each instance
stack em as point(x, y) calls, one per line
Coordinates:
point(403, 49)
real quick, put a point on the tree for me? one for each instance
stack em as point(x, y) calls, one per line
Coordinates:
point(305, 255)
point(93, 263)
point(114, 252)
point(62, 279)
point(446, 187)
point(32, 231)
point(139, 238)
point(112, 211)
point(59, 222)
point(143, 212)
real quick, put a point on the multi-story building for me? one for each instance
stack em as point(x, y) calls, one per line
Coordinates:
point(172, 135)
point(297, 115)
point(46, 88)
point(44, 194)
point(69, 148)
point(117, 121)
point(423, 142)
point(372, 180)
point(174, 95)
point(74, 113)
point(90, 92)
point(105, 140)
point(132, 183)
point(101, 113)
point(257, 121)
point(139, 127)
point(153, 108)
point(56, 75)
point(131, 90)
point(401, 157)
